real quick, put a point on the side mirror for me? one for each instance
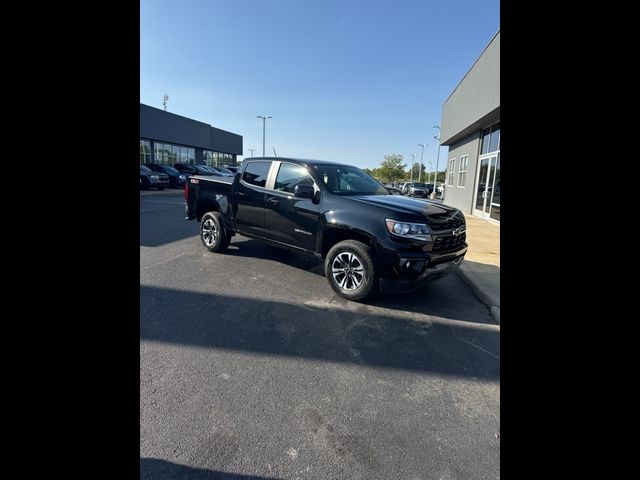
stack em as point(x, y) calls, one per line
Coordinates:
point(303, 191)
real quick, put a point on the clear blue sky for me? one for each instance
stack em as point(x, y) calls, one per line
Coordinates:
point(344, 80)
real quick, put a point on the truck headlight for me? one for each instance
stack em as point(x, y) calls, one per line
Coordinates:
point(417, 231)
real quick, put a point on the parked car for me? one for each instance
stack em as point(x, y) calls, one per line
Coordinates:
point(369, 240)
point(176, 179)
point(150, 179)
point(221, 170)
point(404, 187)
point(232, 169)
point(190, 169)
point(419, 189)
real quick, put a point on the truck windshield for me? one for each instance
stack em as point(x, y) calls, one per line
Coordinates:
point(348, 180)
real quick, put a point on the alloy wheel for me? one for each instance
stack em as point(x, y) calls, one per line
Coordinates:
point(347, 271)
point(209, 232)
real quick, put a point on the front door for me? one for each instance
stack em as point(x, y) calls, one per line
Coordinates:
point(487, 198)
point(289, 219)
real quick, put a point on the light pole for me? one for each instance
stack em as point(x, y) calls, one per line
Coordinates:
point(421, 145)
point(264, 121)
point(252, 150)
point(413, 162)
point(437, 138)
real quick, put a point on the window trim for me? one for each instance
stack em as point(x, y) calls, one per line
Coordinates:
point(466, 156)
point(451, 172)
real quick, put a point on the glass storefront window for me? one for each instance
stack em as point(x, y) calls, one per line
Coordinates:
point(494, 144)
point(485, 141)
point(490, 139)
point(145, 151)
point(495, 197)
point(169, 154)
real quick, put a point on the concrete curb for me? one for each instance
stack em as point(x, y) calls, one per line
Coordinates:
point(485, 295)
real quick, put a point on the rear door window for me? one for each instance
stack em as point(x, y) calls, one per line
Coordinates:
point(256, 173)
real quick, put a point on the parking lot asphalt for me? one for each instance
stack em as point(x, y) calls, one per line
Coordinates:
point(252, 368)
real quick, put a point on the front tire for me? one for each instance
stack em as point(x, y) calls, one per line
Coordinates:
point(212, 234)
point(350, 270)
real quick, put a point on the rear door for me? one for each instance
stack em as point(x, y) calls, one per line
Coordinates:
point(250, 195)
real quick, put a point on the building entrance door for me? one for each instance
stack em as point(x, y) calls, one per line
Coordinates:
point(487, 197)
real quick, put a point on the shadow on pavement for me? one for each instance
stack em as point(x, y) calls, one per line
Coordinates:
point(345, 332)
point(156, 469)
point(426, 301)
point(247, 247)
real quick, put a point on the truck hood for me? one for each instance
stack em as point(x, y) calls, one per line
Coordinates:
point(434, 213)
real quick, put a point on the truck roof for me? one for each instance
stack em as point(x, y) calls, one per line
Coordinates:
point(301, 161)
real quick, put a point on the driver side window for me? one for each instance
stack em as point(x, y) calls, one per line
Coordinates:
point(291, 175)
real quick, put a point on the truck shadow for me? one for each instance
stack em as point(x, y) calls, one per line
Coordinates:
point(247, 247)
point(157, 469)
point(345, 332)
point(427, 300)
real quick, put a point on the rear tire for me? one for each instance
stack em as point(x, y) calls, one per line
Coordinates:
point(212, 234)
point(351, 270)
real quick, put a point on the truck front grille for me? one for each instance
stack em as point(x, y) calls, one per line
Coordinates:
point(449, 242)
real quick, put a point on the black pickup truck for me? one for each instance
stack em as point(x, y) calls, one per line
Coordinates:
point(370, 240)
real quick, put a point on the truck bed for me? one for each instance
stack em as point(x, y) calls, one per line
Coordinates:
point(218, 184)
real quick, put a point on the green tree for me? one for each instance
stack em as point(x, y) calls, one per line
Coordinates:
point(416, 169)
point(391, 168)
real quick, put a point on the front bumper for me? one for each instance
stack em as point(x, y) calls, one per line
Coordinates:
point(398, 285)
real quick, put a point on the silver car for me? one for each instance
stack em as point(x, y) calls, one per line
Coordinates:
point(418, 190)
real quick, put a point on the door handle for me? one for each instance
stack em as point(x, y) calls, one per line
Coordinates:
point(239, 194)
point(273, 201)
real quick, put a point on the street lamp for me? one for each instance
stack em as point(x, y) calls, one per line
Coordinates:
point(437, 138)
point(252, 150)
point(421, 145)
point(413, 162)
point(264, 121)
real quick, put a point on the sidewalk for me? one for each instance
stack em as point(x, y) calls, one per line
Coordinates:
point(481, 266)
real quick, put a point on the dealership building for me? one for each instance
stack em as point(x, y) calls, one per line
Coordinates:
point(169, 138)
point(470, 127)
